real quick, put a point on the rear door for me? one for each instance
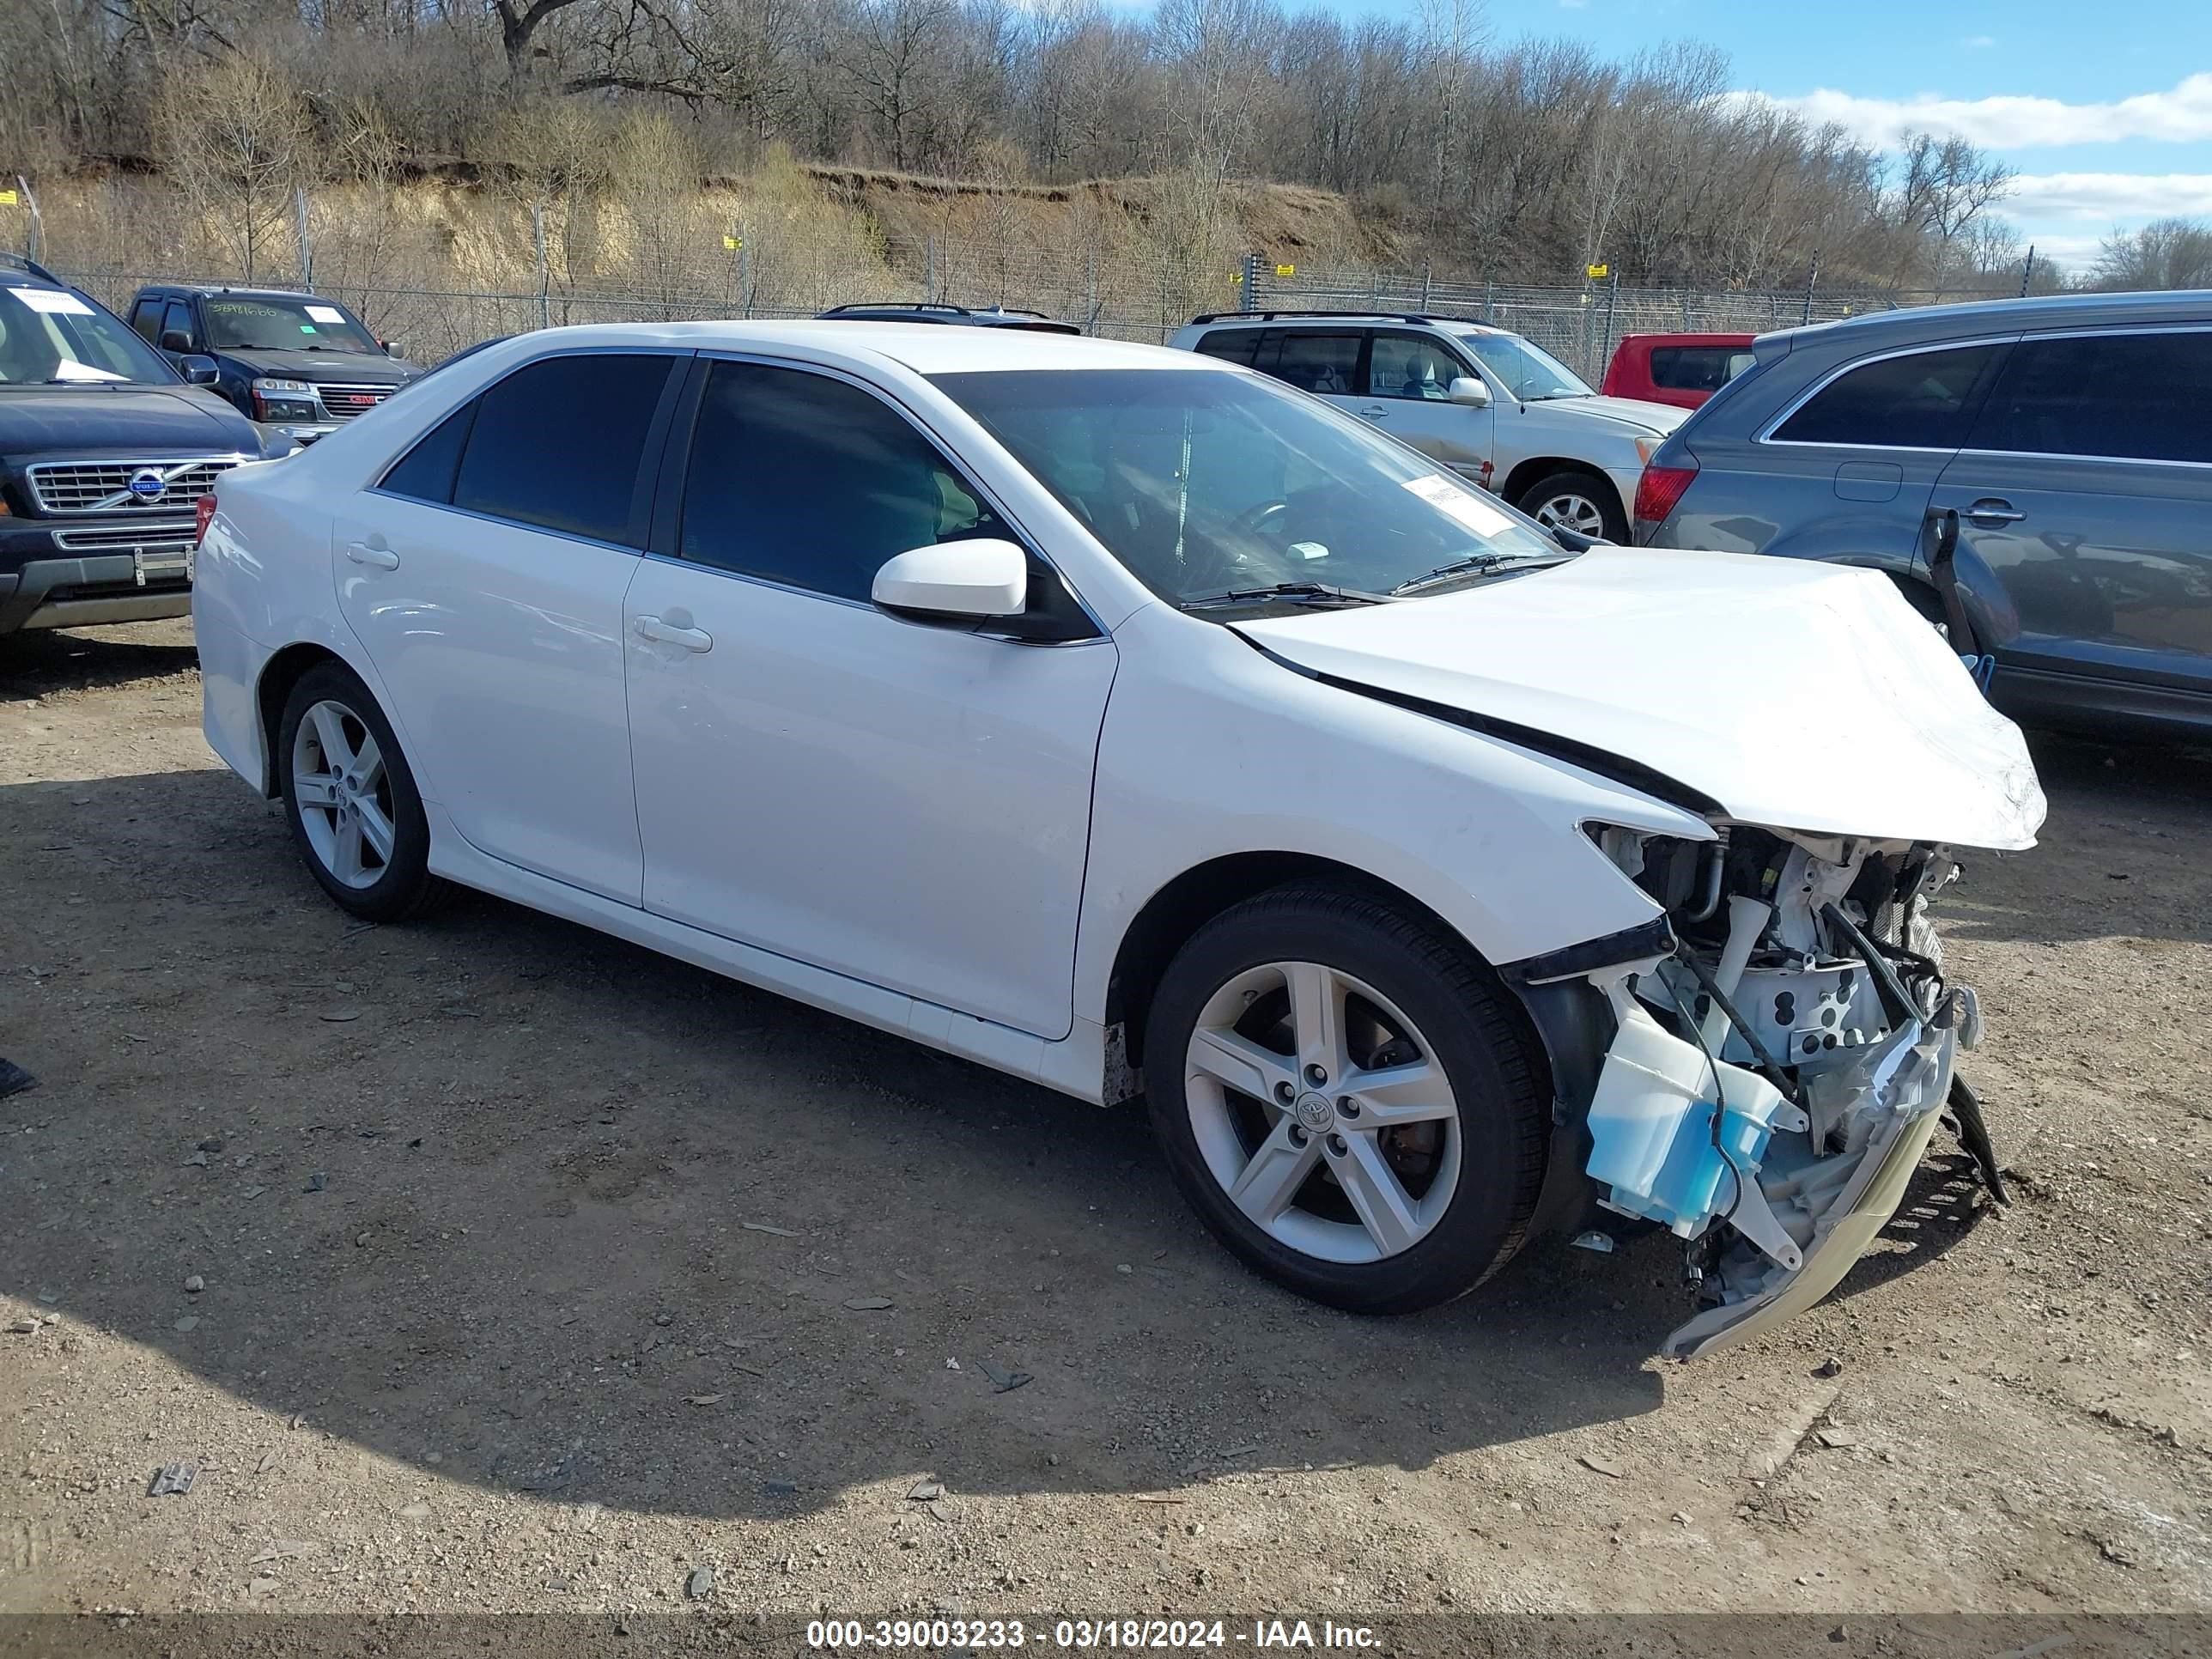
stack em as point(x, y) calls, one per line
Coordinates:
point(1408, 395)
point(2087, 489)
point(1330, 363)
point(484, 575)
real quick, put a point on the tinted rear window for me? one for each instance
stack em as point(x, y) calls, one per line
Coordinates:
point(1697, 368)
point(2137, 397)
point(1923, 400)
point(1231, 345)
point(558, 443)
point(1327, 363)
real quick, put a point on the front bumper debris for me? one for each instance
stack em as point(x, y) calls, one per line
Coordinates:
point(1834, 1207)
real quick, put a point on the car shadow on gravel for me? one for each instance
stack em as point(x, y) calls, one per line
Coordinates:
point(36, 664)
point(512, 1204)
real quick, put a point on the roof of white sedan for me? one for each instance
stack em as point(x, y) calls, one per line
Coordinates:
point(925, 347)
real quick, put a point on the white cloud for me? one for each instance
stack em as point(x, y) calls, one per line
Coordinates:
point(2107, 198)
point(2180, 115)
point(1978, 42)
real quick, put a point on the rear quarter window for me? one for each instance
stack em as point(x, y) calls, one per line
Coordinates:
point(1231, 345)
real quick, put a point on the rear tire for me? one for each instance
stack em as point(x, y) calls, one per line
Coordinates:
point(1397, 1174)
point(1584, 502)
point(351, 801)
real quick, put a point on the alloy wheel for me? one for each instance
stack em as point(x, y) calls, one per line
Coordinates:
point(343, 794)
point(1577, 512)
point(1322, 1112)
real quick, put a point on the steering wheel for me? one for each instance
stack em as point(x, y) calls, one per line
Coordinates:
point(1263, 519)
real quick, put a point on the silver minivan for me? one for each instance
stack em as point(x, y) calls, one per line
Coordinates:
point(2036, 474)
point(1494, 407)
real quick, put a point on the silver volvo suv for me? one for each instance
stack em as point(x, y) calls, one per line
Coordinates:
point(1497, 410)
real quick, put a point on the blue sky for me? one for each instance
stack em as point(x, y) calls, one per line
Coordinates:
point(2120, 132)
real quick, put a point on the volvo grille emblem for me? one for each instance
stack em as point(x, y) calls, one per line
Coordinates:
point(147, 484)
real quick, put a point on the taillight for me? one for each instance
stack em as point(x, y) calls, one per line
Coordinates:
point(202, 516)
point(1659, 491)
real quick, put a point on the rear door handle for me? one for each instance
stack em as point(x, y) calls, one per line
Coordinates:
point(1990, 510)
point(1374, 411)
point(662, 632)
point(381, 558)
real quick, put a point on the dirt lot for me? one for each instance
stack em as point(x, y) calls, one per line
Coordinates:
point(529, 1264)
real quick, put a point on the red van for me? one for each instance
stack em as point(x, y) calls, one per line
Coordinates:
point(1682, 369)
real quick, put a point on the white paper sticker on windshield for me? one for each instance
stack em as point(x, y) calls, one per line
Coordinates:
point(1460, 503)
point(69, 369)
point(54, 300)
point(326, 314)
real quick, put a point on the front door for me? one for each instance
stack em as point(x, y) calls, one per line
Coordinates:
point(484, 576)
point(1408, 389)
point(904, 804)
point(2087, 489)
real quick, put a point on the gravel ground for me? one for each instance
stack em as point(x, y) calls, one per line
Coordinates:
point(488, 1264)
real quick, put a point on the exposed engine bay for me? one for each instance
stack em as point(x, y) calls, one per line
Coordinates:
point(1773, 1080)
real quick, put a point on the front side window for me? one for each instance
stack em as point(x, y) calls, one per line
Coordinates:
point(1529, 373)
point(50, 337)
point(1411, 365)
point(2134, 397)
point(808, 481)
point(558, 443)
point(1324, 363)
point(240, 323)
point(1204, 484)
point(1921, 400)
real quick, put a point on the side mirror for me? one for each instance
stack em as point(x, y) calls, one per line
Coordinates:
point(392, 347)
point(1471, 391)
point(176, 340)
point(201, 371)
point(954, 581)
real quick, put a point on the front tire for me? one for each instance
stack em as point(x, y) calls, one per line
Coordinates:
point(1346, 1099)
point(1584, 502)
point(350, 799)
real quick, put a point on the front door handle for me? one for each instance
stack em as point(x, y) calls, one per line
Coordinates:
point(661, 631)
point(380, 558)
point(1990, 510)
point(1374, 411)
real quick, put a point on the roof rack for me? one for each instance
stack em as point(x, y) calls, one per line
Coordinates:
point(932, 305)
point(1270, 316)
point(21, 263)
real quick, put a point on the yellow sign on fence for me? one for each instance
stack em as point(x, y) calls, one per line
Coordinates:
point(733, 243)
point(1598, 273)
point(1286, 270)
point(7, 198)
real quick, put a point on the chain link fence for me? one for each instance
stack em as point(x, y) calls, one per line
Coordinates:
point(1126, 292)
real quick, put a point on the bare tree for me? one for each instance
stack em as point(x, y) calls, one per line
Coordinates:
point(2165, 254)
point(236, 135)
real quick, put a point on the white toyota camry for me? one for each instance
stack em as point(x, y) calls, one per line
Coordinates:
point(1133, 723)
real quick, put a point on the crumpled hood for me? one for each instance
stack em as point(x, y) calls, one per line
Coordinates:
point(1659, 418)
point(347, 367)
point(1799, 696)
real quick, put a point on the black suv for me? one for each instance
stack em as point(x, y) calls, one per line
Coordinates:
point(105, 451)
point(294, 361)
point(932, 311)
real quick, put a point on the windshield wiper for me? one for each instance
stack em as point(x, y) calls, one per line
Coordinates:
point(1309, 591)
point(1479, 564)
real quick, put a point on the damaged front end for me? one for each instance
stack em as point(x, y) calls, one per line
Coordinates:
point(1781, 1051)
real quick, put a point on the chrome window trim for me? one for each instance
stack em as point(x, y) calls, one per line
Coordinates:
point(1765, 434)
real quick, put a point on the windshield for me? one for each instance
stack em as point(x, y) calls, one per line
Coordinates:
point(1530, 374)
point(1205, 483)
point(50, 336)
point(235, 323)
